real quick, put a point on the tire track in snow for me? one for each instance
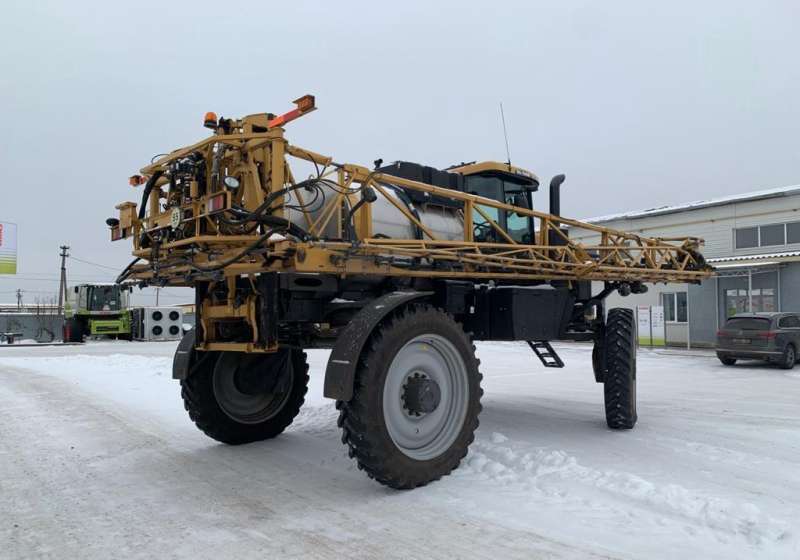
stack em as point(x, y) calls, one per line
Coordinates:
point(504, 462)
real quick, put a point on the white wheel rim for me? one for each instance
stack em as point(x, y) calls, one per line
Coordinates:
point(431, 434)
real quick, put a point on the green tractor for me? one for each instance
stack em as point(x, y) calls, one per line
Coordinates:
point(97, 310)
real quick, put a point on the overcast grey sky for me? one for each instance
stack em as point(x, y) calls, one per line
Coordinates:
point(640, 103)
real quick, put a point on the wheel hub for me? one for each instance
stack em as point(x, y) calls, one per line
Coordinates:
point(421, 395)
point(425, 396)
point(252, 381)
point(252, 388)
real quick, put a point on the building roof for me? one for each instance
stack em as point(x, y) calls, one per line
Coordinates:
point(721, 201)
point(761, 258)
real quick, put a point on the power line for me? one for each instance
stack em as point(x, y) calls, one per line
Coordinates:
point(29, 291)
point(47, 274)
point(114, 268)
point(26, 279)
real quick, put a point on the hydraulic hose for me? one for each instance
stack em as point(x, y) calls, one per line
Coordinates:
point(125, 273)
point(276, 223)
point(148, 187)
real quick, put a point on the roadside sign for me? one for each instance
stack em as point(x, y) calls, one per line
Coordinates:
point(658, 332)
point(8, 248)
point(643, 324)
point(650, 325)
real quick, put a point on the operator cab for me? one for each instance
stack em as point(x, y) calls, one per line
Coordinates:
point(505, 183)
point(100, 297)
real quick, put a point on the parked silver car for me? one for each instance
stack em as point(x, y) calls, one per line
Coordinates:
point(773, 337)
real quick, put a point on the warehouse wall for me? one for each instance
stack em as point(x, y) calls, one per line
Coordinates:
point(702, 313)
point(714, 224)
point(790, 287)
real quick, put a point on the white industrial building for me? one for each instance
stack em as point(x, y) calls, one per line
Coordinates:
point(752, 239)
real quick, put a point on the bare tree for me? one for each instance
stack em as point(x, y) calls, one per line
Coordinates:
point(45, 319)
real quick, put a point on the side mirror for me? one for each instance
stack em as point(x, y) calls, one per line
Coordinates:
point(75, 289)
point(521, 200)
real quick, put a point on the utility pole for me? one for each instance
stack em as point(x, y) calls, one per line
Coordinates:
point(19, 299)
point(62, 287)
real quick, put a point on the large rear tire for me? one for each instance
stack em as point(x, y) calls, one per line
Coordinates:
point(416, 399)
point(240, 398)
point(619, 380)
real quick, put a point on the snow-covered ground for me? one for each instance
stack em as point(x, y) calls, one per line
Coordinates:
point(99, 460)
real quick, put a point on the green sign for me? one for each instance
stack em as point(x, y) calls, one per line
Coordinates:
point(8, 248)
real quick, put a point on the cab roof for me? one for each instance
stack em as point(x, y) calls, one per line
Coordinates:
point(512, 172)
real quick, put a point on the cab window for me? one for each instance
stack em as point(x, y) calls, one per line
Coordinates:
point(488, 187)
point(517, 226)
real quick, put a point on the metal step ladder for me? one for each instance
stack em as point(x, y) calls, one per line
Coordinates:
point(546, 353)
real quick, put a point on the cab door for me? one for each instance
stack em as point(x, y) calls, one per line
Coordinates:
point(487, 187)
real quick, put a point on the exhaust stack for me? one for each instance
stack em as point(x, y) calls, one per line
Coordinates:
point(555, 194)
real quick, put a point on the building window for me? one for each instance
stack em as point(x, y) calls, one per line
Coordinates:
point(793, 232)
point(770, 235)
point(764, 300)
point(675, 307)
point(773, 234)
point(736, 301)
point(746, 238)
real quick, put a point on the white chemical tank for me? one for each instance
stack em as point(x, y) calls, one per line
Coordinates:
point(388, 221)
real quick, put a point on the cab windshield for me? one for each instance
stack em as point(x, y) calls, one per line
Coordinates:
point(105, 298)
point(517, 226)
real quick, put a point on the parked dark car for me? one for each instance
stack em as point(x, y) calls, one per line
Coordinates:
point(773, 337)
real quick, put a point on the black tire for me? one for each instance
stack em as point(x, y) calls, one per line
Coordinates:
point(727, 360)
point(364, 424)
point(789, 357)
point(73, 330)
point(200, 399)
point(619, 385)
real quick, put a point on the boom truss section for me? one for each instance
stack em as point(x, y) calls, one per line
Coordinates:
point(197, 232)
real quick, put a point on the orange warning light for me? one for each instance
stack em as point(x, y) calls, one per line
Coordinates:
point(210, 120)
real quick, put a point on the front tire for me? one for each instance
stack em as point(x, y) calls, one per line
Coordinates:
point(619, 384)
point(416, 399)
point(238, 398)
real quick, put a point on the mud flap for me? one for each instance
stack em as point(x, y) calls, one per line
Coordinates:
point(341, 370)
point(183, 356)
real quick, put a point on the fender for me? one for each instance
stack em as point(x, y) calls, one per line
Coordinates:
point(341, 371)
point(184, 356)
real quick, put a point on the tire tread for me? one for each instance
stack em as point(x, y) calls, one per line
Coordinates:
point(199, 401)
point(369, 446)
point(619, 385)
